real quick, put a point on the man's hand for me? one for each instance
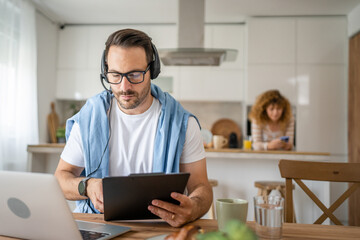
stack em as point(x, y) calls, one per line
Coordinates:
point(175, 215)
point(95, 192)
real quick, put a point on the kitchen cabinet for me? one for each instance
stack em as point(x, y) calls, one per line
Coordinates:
point(229, 36)
point(79, 56)
point(262, 77)
point(321, 40)
point(322, 108)
point(209, 84)
point(81, 47)
point(77, 84)
point(306, 59)
point(221, 83)
point(73, 47)
point(272, 40)
point(272, 57)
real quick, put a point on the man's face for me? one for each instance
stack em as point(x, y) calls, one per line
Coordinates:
point(131, 98)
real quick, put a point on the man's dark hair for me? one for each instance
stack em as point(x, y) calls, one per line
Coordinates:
point(130, 38)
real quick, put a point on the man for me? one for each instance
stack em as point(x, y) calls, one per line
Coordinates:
point(133, 128)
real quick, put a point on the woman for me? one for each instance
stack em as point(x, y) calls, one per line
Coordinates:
point(271, 119)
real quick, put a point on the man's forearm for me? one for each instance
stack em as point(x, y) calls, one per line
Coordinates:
point(202, 197)
point(69, 185)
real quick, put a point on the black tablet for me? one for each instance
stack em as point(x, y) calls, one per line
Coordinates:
point(128, 197)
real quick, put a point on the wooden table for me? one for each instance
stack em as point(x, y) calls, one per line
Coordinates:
point(291, 231)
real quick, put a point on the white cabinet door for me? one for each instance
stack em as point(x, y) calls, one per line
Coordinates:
point(80, 51)
point(230, 37)
point(168, 80)
point(77, 84)
point(81, 48)
point(272, 40)
point(305, 58)
point(265, 77)
point(322, 109)
point(271, 57)
point(73, 47)
point(97, 38)
point(322, 40)
point(223, 83)
point(164, 36)
point(210, 84)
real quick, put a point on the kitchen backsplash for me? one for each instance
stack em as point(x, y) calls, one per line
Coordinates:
point(67, 109)
point(209, 112)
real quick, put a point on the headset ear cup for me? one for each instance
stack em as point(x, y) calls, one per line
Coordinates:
point(103, 76)
point(103, 65)
point(155, 65)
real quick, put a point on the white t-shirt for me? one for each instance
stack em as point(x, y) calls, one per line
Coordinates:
point(131, 144)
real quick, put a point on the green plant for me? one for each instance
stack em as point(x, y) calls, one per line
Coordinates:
point(234, 230)
point(75, 108)
point(60, 132)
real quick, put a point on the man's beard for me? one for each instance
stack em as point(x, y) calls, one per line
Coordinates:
point(137, 99)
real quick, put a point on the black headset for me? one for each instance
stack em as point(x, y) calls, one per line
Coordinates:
point(154, 67)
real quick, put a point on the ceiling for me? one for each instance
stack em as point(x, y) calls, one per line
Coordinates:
point(165, 11)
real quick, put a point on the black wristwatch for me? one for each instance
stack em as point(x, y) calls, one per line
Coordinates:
point(82, 186)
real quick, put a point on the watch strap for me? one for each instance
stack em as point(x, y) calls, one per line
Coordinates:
point(84, 183)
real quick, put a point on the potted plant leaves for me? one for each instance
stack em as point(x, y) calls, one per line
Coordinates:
point(234, 230)
point(60, 135)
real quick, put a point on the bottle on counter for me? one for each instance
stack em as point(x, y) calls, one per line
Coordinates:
point(247, 143)
point(233, 140)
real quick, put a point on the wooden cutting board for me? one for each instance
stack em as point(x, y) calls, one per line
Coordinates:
point(53, 123)
point(225, 127)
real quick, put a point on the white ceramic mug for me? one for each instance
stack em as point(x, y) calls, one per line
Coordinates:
point(219, 141)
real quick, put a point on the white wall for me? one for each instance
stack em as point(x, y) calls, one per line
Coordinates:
point(47, 38)
point(354, 21)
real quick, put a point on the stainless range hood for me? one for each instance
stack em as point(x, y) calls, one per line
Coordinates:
point(191, 51)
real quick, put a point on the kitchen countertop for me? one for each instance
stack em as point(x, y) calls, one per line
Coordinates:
point(210, 152)
point(239, 150)
point(240, 154)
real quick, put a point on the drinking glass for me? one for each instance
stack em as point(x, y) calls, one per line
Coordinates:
point(268, 216)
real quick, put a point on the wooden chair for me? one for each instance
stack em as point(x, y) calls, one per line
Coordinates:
point(318, 171)
point(213, 183)
point(265, 187)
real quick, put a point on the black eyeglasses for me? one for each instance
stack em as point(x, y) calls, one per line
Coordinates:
point(134, 77)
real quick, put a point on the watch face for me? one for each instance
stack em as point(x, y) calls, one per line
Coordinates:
point(81, 188)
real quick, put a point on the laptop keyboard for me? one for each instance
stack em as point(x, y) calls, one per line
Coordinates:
point(91, 235)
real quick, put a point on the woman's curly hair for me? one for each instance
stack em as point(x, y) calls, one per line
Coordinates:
point(258, 110)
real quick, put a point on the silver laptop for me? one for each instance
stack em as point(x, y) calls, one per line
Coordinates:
point(32, 206)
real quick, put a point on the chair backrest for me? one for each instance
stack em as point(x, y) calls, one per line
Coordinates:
point(318, 171)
